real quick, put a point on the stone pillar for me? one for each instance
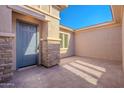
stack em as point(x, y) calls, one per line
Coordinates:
point(53, 52)
point(50, 53)
point(50, 43)
point(5, 58)
point(5, 43)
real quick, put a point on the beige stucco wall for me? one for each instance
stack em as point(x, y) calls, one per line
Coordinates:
point(103, 43)
point(49, 10)
point(70, 50)
point(53, 28)
point(54, 11)
point(6, 19)
point(123, 41)
point(45, 8)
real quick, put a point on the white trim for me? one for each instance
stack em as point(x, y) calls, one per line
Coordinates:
point(96, 26)
point(99, 27)
point(50, 39)
point(64, 32)
point(53, 39)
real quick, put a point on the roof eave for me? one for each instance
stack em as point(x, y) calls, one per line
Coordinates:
point(60, 7)
point(66, 28)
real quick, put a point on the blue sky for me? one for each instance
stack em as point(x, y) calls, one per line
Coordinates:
point(81, 16)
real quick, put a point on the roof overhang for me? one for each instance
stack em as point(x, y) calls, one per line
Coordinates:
point(66, 28)
point(117, 12)
point(60, 7)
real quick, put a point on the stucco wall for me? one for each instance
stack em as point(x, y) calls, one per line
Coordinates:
point(6, 19)
point(103, 43)
point(54, 11)
point(123, 41)
point(70, 50)
point(45, 8)
point(53, 28)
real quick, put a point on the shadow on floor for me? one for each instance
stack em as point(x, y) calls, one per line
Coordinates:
point(72, 72)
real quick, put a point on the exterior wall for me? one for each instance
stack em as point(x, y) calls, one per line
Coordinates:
point(102, 43)
point(123, 41)
point(48, 26)
point(54, 11)
point(45, 8)
point(51, 43)
point(6, 40)
point(49, 10)
point(53, 28)
point(6, 18)
point(70, 50)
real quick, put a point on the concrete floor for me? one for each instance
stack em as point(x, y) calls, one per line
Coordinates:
point(72, 72)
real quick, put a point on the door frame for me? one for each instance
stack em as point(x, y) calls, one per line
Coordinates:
point(28, 20)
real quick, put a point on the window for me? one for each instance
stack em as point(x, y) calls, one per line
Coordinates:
point(61, 42)
point(64, 40)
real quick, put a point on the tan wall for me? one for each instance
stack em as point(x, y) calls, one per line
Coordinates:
point(123, 41)
point(50, 10)
point(6, 19)
point(54, 11)
point(53, 28)
point(45, 8)
point(103, 43)
point(70, 50)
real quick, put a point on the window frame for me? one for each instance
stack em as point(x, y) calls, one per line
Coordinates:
point(63, 41)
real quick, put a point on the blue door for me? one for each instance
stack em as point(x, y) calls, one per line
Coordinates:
point(26, 44)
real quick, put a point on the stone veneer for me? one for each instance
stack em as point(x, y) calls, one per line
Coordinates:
point(50, 53)
point(5, 58)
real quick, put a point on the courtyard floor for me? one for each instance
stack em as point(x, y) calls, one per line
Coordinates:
point(72, 72)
